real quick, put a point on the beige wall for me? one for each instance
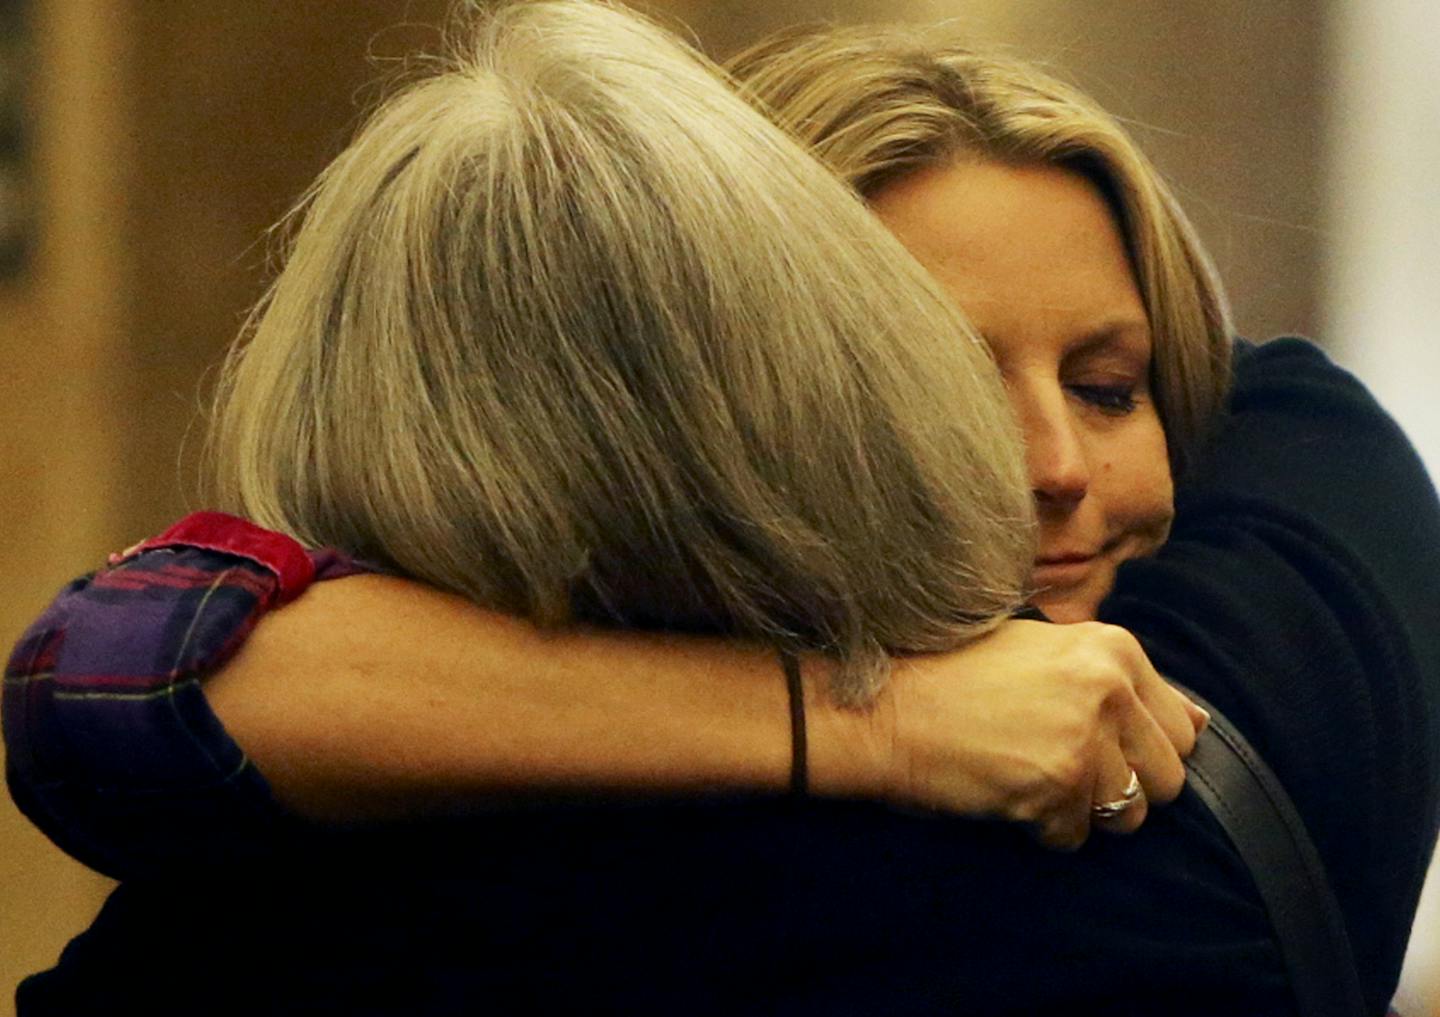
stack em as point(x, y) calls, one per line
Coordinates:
point(61, 337)
point(171, 132)
point(1224, 96)
point(169, 135)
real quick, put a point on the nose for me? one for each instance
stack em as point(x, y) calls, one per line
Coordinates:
point(1054, 450)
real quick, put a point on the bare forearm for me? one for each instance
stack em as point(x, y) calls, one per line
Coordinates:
point(373, 698)
point(370, 697)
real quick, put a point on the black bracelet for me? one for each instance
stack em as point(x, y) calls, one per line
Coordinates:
point(799, 777)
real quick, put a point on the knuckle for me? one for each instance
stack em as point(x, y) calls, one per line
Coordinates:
point(1033, 799)
point(1172, 784)
point(1113, 694)
point(1068, 772)
point(1025, 809)
point(1116, 682)
point(1165, 781)
point(1120, 640)
point(1124, 652)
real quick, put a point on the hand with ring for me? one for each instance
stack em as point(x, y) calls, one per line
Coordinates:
point(1116, 807)
point(1060, 727)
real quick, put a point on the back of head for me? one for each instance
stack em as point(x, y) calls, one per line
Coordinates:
point(877, 103)
point(572, 330)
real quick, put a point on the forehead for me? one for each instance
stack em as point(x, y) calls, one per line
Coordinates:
point(1031, 252)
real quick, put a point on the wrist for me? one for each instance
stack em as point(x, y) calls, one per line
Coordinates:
point(850, 750)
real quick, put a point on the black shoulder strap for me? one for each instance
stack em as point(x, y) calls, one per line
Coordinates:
point(1247, 799)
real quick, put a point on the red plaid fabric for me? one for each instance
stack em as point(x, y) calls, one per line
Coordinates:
point(112, 671)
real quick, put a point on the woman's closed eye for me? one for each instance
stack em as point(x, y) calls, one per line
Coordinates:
point(1117, 399)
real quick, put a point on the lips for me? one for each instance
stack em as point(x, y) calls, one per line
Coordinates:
point(1062, 572)
point(1067, 558)
point(1077, 555)
point(1065, 567)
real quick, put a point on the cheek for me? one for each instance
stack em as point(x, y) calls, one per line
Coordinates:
point(1135, 485)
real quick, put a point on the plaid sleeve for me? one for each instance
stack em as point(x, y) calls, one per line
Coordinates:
point(111, 747)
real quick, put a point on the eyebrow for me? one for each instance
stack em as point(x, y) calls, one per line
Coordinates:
point(1113, 332)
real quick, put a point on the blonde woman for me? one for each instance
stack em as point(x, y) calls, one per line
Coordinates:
point(371, 697)
point(1070, 256)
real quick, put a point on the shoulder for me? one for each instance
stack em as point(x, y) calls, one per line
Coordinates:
point(1298, 594)
point(104, 719)
point(1312, 506)
point(161, 611)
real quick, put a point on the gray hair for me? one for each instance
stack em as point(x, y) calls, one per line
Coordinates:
point(573, 331)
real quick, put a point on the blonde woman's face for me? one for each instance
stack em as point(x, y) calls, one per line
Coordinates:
point(1033, 255)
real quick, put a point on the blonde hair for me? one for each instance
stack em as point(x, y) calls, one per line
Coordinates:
point(879, 103)
point(572, 330)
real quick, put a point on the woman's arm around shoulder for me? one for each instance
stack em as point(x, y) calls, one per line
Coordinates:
point(376, 697)
point(372, 698)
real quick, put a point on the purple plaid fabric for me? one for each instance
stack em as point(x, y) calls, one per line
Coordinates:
point(104, 717)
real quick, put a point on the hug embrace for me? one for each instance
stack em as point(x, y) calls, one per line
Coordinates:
point(627, 441)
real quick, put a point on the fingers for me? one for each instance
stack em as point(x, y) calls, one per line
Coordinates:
point(1116, 803)
point(1120, 804)
point(1156, 724)
point(1152, 755)
point(1108, 797)
point(1044, 748)
point(1199, 716)
point(1178, 718)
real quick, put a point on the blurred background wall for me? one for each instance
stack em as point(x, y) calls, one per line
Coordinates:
point(162, 137)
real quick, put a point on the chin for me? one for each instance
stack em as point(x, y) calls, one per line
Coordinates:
point(1079, 604)
point(1066, 610)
